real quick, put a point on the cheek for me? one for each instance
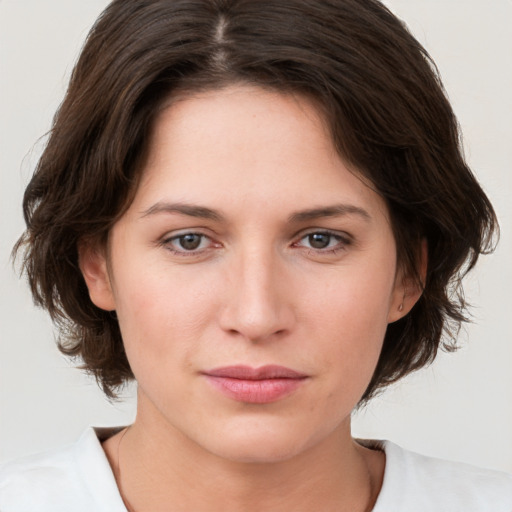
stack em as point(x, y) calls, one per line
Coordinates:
point(355, 303)
point(349, 322)
point(161, 316)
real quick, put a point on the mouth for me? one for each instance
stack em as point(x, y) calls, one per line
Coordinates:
point(261, 385)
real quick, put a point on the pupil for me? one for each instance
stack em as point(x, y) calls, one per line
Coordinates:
point(190, 242)
point(319, 240)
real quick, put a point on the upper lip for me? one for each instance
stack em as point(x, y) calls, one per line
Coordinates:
point(243, 372)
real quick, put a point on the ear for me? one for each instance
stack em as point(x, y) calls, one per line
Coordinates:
point(408, 289)
point(93, 264)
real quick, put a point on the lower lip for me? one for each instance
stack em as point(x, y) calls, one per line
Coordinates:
point(255, 391)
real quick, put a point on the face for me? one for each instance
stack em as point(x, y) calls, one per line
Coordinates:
point(253, 277)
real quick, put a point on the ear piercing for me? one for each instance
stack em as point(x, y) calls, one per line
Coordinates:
point(401, 306)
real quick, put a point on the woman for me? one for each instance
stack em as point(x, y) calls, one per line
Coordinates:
point(256, 210)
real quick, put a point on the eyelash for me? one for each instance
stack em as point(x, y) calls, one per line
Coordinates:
point(342, 242)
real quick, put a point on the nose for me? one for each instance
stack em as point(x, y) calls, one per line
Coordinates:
point(258, 303)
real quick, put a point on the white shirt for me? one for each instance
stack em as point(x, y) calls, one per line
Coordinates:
point(78, 478)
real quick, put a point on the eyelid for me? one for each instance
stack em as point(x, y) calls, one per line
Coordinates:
point(325, 231)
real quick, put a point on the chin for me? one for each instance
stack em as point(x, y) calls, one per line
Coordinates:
point(260, 444)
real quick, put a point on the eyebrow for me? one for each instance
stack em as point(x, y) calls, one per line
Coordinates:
point(299, 216)
point(185, 209)
point(336, 210)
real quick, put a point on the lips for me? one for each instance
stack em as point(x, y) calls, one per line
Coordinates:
point(255, 385)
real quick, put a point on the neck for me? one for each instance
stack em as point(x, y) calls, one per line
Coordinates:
point(156, 467)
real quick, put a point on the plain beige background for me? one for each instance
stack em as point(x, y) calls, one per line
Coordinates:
point(460, 408)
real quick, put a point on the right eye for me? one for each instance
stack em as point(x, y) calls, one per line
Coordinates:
point(322, 240)
point(187, 243)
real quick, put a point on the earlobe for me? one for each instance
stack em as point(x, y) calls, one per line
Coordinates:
point(406, 295)
point(408, 289)
point(93, 265)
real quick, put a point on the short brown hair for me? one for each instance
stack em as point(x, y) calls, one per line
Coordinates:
point(380, 94)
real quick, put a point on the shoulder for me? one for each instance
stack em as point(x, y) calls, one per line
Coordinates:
point(420, 483)
point(75, 478)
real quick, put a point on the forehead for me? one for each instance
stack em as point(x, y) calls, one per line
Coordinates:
point(238, 114)
point(257, 146)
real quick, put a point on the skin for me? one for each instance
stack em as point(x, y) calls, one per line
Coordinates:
point(255, 292)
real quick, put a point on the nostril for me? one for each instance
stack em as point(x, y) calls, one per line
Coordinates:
point(259, 336)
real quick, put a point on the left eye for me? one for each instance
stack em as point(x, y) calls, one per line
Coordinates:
point(321, 240)
point(189, 242)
